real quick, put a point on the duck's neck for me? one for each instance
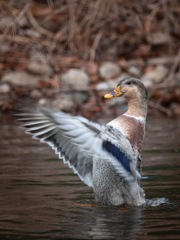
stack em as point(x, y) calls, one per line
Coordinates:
point(137, 108)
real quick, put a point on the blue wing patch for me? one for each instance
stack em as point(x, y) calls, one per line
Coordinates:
point(118, 154)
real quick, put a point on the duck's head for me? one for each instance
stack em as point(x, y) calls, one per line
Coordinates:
point(133, 90)
point(129, 88)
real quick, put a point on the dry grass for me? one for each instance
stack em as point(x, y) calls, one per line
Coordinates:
point(89, 29)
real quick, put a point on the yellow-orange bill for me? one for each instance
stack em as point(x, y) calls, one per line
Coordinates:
point(115, 93)
point(108, 95)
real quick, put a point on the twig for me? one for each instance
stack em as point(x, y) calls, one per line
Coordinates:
point(94, 46)
point(55, 12)
point(23, 11)
point(173, 68)
point(36, 25)
point(25, 40)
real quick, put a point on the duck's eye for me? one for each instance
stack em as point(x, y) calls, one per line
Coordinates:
point(128, 83)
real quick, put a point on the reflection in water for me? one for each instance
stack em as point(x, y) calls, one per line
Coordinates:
point(122, 223)
point(42, 199)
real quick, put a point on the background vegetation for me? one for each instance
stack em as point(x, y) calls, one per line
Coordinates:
point(44, 40)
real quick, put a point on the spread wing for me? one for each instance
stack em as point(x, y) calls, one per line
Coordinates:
point(77, 141)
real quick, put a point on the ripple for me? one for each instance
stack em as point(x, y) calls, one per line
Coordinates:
point(155, 202)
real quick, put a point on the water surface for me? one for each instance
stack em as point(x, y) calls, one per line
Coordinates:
point(42, 199)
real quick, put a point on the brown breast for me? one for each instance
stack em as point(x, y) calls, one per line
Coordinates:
point(132, 128)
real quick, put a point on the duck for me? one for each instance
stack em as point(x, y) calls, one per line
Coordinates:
point(107, 158)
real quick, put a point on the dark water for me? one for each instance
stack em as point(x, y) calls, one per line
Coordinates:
point(40, 198)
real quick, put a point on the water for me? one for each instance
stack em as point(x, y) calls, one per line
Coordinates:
point(41, 198)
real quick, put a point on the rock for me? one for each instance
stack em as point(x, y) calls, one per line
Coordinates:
point(20, 79)
point(76, 79)
point(136, 62)
point(63, 102)
point(5, 88)
point(79, 98)
point(106, 86)
point(123, 64)
point(135, 71)
point(147, 82)
point(43, 102)
point(36, 94)
point(39, 68)
point(110, 84)
point(91, 68)
point(4, 47)
point(176, 108)
point(109, 70)
point(94, 78)
point(158, 38)
point(161, 60)
point(156, 75)
point(122, 76)
point(32, 33)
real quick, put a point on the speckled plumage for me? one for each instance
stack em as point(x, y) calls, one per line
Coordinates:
point(110, 188)
point(106, 158)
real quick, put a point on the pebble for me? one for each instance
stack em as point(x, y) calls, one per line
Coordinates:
point(79, 98)
point(20, 79)
point(110, 84)
point(32, 33)
point(75, 79)
point(5, 88)
point(105, 86)
point(4, 47)
point(91, 68)
point(63, 102)
point(43, 101)
point(36, 94)
point(176, 108)
point(147, 82)
point(161, 60)
point(158, 38)
point(156, 75)
point(39, 68)
point(109, 70)
point(135, 71)
point(122, 76)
